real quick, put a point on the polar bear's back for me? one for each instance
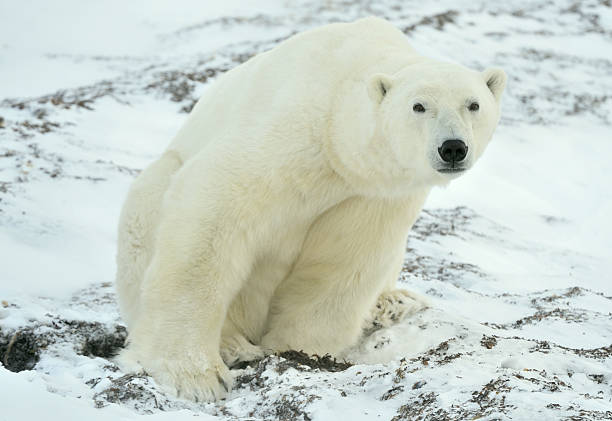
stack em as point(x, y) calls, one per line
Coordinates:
point(294, 83)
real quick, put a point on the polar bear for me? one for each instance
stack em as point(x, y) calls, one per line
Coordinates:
point(277, 217)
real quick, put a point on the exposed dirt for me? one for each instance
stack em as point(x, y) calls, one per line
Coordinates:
point(488, 341)
point(20, 350)
point(290, 359)
point(438, 21)
point(131, 390)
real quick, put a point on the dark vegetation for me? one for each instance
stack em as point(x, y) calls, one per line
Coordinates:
point(20, 350)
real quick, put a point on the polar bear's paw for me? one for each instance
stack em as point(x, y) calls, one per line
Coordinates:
point(236, 349)
point(185, 379)
point(392, 306)
point(198, 385)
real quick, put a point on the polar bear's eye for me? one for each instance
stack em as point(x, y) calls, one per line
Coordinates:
point(474, 106)
point(418, 108)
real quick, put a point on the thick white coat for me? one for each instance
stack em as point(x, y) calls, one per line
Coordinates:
point(278, 215)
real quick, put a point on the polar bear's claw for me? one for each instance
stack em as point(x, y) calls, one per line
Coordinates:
point(200, 386)
point(200, 382)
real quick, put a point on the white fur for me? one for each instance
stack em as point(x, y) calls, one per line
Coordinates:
point(279, 213)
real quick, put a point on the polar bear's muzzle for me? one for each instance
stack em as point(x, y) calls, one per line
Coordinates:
point(453, 153)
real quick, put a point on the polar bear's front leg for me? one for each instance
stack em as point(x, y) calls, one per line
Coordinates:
point(199, 264)
point(176, 337)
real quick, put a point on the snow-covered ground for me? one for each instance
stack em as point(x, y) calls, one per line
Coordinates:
point(515, 255)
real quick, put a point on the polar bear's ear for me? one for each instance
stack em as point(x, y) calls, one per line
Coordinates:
point(378, 86)
point(496, 81)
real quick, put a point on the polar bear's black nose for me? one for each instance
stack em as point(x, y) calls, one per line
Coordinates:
point(453, 150)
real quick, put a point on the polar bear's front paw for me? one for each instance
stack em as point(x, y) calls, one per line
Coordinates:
point(199, 382)
point(236, 349)
point(393, 306)
point(196, 384)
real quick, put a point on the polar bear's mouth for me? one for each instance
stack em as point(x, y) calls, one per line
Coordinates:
point(452, 170)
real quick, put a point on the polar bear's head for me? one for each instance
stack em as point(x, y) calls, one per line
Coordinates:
point(435, 118)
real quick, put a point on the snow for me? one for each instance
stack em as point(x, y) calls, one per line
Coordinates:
point(514, 255)
point(30, 397)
